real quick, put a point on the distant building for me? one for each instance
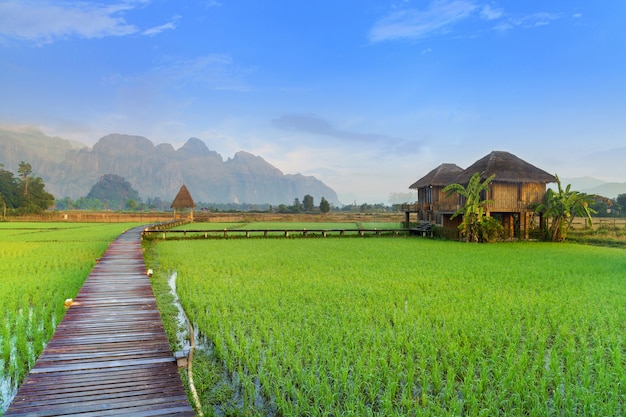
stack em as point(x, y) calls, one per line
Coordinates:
point(183, 201)
point(515, 191)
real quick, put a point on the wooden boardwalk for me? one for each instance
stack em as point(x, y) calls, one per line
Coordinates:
point(110, 355)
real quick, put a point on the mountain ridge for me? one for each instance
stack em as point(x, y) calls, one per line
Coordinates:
point(590, 185)
point(157, 170)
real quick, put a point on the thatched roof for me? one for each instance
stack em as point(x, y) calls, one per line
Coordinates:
point(507, 167)
point(183, 199)
point(438, 177)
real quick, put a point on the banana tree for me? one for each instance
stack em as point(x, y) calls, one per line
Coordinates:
point(473, 209)
point(561, 207)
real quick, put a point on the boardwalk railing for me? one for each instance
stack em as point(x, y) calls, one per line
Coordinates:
point(225, 233)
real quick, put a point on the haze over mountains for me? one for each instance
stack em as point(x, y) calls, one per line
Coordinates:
point(70, 169)
point(591, 185)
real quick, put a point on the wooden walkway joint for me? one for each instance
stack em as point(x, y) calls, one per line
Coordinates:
point(109, 355)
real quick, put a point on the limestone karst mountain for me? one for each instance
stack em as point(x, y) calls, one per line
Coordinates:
point(156, 171)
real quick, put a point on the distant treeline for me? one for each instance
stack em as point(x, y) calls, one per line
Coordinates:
point(159, 205)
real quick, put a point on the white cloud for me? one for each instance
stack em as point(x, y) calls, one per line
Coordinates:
point(528, 21)
point(417, 24)
point(489, 13)
point(46, 21)
point(442, 15)
point(158, 29)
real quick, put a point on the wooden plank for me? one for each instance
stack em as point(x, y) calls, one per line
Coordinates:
point(110, 354)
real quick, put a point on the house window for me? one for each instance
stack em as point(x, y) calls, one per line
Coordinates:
point(429, 195)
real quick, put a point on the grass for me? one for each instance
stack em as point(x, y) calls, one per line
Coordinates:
point(405, 326)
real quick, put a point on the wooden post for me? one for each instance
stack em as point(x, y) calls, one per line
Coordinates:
point(526, 222)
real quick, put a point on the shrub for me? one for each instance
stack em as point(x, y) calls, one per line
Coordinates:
point(490, 230)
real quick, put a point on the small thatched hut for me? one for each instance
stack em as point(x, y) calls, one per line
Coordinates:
point(432, 204)
point(183, 200)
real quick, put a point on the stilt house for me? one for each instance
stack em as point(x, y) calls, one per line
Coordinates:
point(432, 204)
point(515, 191)
point(183, 200)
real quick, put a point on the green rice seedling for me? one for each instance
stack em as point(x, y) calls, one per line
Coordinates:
point(410, 326)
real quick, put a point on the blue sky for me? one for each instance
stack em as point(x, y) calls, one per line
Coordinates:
point(367, 96)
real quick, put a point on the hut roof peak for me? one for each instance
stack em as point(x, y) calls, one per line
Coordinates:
point(507, 168)
point(183, 199)
point(438, 177)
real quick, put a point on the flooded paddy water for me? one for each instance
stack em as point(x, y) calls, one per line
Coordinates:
point(227, 383)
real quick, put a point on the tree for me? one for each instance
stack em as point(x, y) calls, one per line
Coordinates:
point(562, 207)
point(24, 194)
point(37, 199)
point(324, 205)
point(297, 206)
point(8, 190)
point(89, 204)
point(620, 204)
point(473, 209)
point(24, 170)
point(307, 203)
point(131, 204)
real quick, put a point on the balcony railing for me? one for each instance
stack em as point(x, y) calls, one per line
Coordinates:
point(520, 206)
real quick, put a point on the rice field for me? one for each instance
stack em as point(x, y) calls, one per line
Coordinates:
point(405, 326)
point(41, 265)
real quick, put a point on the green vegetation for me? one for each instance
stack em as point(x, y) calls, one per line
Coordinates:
point(473, 210)
point(562, 206)
point(23, 195)
point(42, 265)
point(114, 192)
point(390, 327)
